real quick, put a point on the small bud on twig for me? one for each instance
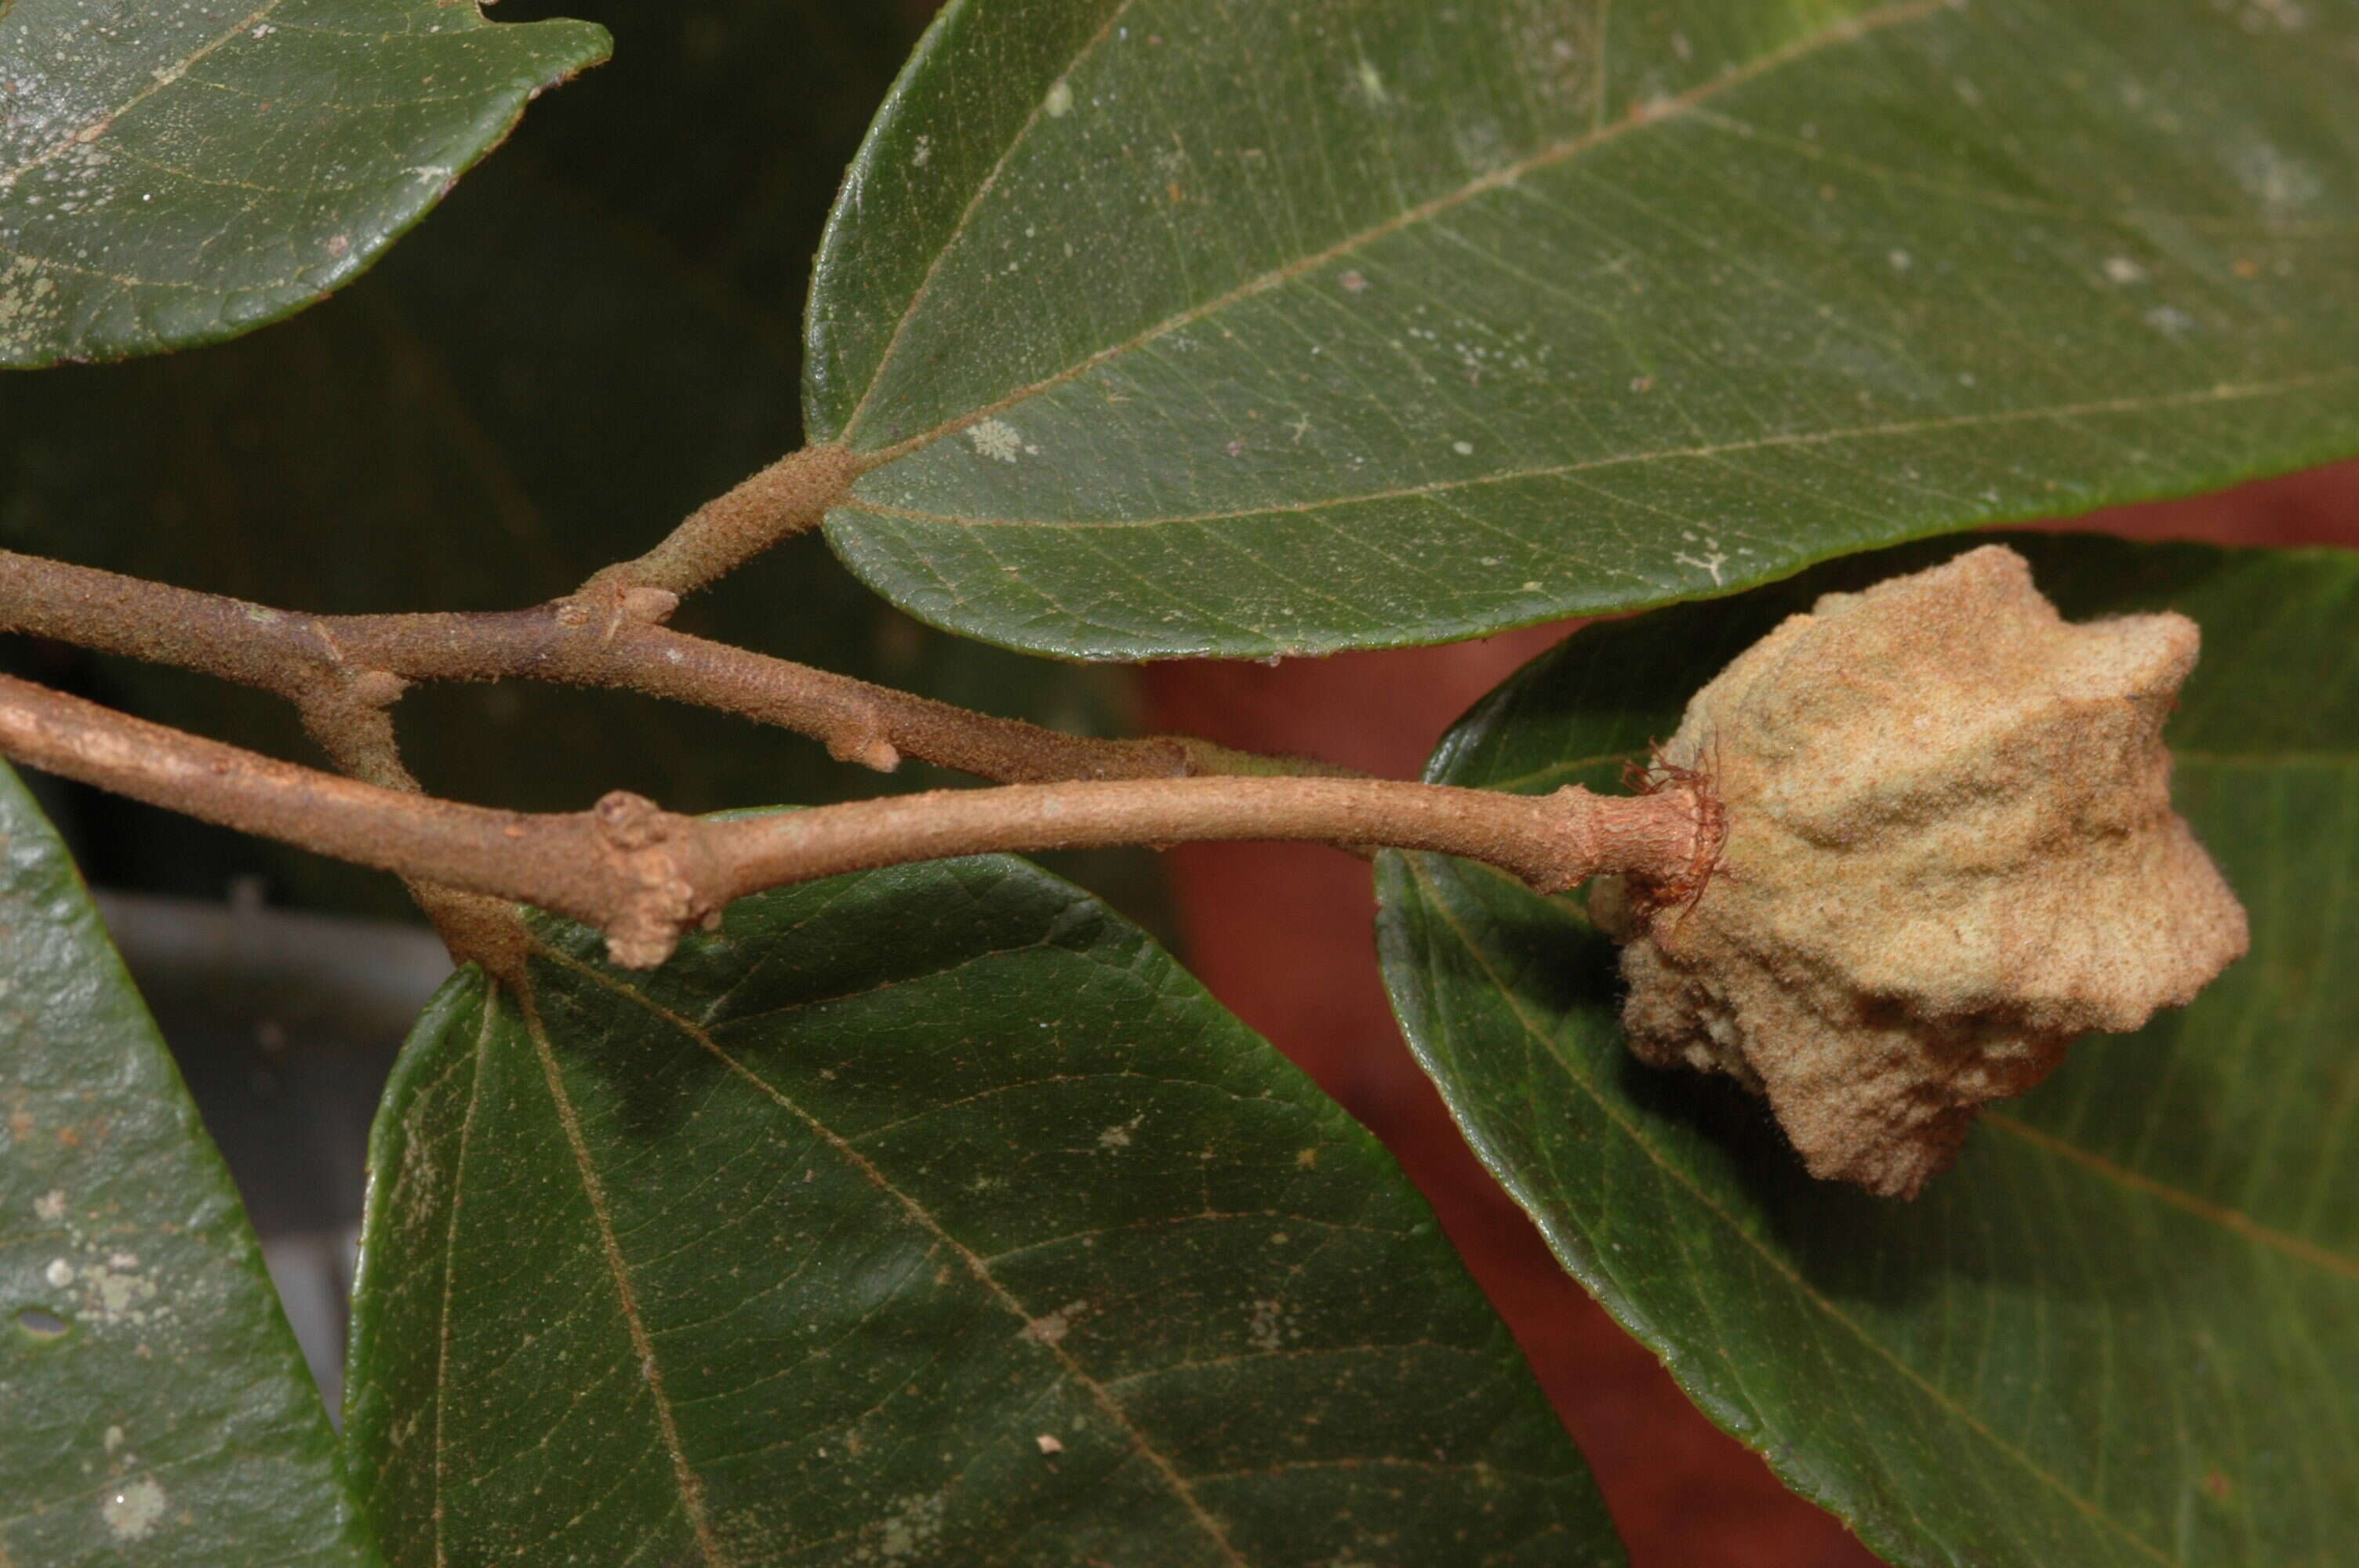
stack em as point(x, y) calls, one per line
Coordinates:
point(650, 606)
point(641, 838)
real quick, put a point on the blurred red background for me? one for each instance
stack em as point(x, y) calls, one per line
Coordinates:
point(1281, 934)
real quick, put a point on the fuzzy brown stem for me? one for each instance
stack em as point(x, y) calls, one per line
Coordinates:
point(791, 496)
point(644, 875)
point(554, 862)
point(1551, 842)
point(615, 642)
point(351, 719)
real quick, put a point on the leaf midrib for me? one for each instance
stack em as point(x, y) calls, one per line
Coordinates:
point(684, 1476)
point(2226, 392)
point(983, 190)
point(1178, 1484)
point(1850, 29)
point(451, 1265)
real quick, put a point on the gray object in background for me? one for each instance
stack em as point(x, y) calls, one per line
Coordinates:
point(285, 1024)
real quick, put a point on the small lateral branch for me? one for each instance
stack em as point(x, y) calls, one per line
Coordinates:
point(791, 496)
point(351, 720)
point(644, 875)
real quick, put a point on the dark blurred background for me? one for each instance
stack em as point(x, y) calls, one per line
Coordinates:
point(598, 330)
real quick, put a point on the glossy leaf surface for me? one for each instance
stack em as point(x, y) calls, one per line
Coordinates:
point(2124, 1329)
point(1202, 328)
point(930, 1217)
point(153, 1406)
point(174, 174)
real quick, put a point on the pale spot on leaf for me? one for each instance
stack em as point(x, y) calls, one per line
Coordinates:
point(130, 1511)
point(997, 439)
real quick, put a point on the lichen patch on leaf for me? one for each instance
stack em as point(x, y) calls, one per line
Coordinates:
point(1950, 851)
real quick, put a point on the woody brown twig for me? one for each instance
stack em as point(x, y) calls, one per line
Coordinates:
point(611, 639)
point(644, 875)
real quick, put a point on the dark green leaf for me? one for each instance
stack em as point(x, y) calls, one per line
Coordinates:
point(568, 359)
point(932, 1216)
point(153, 1406)
point(176, 174)
point(1205, 327)
point(2125, 1330)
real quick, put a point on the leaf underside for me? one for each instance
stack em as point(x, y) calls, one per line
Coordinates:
point(153, 1405)
point(2124, 1329)
point(176, 174)
point(1193, 327)
point(932, 1216)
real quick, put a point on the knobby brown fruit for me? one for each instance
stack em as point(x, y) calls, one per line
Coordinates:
point(1950, 851)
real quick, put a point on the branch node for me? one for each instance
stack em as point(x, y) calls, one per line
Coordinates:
point(376, 688)
point(649, 606)
point(644, 844)
point(867, 746)
point(630, 822)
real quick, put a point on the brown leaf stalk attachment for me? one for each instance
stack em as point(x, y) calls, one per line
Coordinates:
point(790, 496)
point(1950, 851)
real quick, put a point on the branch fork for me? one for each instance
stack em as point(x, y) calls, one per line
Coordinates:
point(645, 875)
